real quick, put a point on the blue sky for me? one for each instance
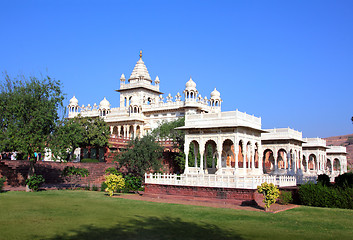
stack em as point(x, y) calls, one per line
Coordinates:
point(288, 62)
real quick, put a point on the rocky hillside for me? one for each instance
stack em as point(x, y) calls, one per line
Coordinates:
point(346, 141)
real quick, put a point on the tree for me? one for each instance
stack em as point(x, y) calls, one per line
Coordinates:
point(28, 114)
point(79, 132)
point(141, 155)
point(168, 130)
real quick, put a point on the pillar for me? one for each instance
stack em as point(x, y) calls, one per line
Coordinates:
point(186, 151)
point(134, 133)
point(236, 154)
point(119, 129)
point(252, 157)
point(111, 130)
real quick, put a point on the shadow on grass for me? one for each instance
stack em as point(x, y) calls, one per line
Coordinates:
point(150, 228)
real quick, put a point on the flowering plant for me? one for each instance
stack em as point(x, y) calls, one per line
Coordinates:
point(114, 183)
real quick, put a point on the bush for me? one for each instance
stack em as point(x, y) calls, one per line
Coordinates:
point(324, 179)
point(344, 180)
point(89, 160)
point(114, 183)
point(34, 182)
point(318, 195)
point(285, 197)
point(103, 186)
point(112, 170)
point(133, 183)
point(2, 182)
point(94, 188)
point(270, 192)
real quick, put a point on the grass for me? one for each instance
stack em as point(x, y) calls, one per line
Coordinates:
point(93, 215)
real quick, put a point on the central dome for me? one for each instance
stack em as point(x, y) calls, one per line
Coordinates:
point(140, 70)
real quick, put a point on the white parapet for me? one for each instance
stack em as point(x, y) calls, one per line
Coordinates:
point(212, 180)
point(281, 133)
point(222, 119)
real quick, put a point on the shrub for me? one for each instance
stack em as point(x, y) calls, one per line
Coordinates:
point(285, 197)
point(103, 186)
point(270, 192)
point(87, 187)
point(344, 180)
point(324, 179)
point(2, 182)
point(132, 183)
point(318, 195)
point(89, 160)
point(112, 170)
point(74, 174)
point(94, 188)
point(114, 183)
point(34, 182)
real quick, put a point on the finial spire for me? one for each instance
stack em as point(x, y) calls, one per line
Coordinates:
point(141, 54)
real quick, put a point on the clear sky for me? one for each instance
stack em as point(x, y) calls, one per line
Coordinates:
point(288, 62)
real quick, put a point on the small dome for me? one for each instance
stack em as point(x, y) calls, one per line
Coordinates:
point(190, 85)
point(215, 94)
point(122, 78)
point(73, 101)
point(104, 104)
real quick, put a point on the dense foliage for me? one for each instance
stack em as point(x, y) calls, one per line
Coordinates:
point(133, 183)
point(112, 170)
point(270, 192)
point(79, 132)
point(285, 197)
point(114, 183)
point(344, 180)
point(319, 195)
point(167, 131)
point(89, 160)
point(141, 155)
point(34, 182)
point(324, 179)
point(29, 113)
point(2, 181)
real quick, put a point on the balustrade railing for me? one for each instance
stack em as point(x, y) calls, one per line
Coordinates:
point(212, 180)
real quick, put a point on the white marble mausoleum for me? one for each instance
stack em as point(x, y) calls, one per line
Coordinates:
point(243, 155)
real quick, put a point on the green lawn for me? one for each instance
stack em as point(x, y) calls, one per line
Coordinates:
point(93, 215)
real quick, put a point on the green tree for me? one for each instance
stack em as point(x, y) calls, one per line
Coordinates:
point(167, 130)
point(78, 132)
point(141, 155)
point(28, 114)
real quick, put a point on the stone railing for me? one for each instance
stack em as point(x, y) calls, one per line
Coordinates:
point(212, 180)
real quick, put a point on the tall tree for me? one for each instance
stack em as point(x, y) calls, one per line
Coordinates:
point(28, 112)
point(141, 155)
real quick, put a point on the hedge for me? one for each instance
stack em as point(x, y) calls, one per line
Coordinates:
point(318, 195)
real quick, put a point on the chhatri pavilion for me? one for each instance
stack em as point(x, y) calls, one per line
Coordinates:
point(243, 155)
